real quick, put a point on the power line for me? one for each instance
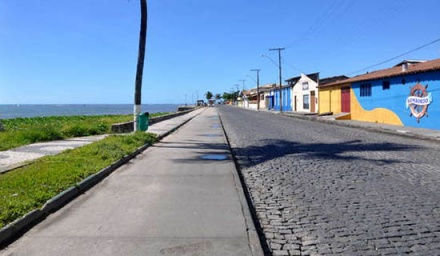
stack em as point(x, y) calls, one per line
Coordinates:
point(366, 25)
point(295, 68)
point(396, 57)
point(322, 18)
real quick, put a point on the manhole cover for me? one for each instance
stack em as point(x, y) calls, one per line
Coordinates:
point(217, 157)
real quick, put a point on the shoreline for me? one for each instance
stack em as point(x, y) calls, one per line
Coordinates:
point(10, 111)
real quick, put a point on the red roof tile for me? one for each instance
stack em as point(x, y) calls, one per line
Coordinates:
point(391, 72)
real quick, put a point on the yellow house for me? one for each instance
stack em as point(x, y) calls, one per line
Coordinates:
point(332, 97)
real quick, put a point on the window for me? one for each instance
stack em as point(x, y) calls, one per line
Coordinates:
point(385, 85)
point(305, 85)
point(365, 90)
point(306, 104)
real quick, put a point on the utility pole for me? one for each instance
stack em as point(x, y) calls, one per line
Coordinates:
point(242, 80)
point(279, 67)
point(236, 93)
point(258, 87)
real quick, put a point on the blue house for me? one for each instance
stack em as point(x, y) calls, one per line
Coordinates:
point(274, 98)
point(407, 94)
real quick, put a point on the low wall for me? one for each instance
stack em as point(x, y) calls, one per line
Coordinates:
point(127, 127)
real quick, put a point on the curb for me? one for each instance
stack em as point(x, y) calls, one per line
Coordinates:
point(12, 231)
point(255, 235)
point(408, 134)
point(313, 118)
point(126, 127)
point(18, 227)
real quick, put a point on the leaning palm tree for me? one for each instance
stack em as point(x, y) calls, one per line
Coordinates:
point(140, 63)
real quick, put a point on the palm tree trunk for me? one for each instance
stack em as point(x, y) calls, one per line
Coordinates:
point(140, 62)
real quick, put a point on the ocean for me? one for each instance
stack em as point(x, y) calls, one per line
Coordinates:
point(29, 110)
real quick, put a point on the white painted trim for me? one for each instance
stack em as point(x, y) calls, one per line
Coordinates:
point(136, 112)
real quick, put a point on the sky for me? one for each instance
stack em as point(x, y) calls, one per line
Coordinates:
point(85, 52)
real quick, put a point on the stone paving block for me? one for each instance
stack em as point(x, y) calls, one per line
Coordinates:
point(275, 246)
point(356, 191)
point(280, 253)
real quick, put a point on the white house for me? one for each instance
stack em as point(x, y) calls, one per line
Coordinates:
point(304, 93)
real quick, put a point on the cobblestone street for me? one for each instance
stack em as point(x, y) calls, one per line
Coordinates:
point(320, 189)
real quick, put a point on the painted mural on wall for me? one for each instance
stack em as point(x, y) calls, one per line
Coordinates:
point(418, 101)
point(401, 100)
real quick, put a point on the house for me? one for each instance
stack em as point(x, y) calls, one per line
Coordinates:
point(266, 97)
point(285, 103)
point(401, 95)
point(247, 101)
point(330, 95)
point(304, 91)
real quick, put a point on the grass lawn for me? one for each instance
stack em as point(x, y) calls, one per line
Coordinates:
point(23, 131)
point(29, 187)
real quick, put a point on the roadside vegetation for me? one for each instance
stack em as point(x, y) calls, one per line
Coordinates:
point(29, 187)
point(23, 131)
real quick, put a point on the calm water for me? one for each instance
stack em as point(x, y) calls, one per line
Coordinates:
point(13, 111)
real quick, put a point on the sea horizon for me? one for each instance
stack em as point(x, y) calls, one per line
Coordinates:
point(8, 111)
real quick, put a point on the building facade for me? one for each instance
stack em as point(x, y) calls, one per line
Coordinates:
point(304, 93)
point(334, 98)
point(274, 98)
point(401, 95)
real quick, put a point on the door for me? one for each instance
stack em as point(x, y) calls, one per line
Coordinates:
point(345, 99)
point(294, 103)
point(271, 102)
point(312, 102)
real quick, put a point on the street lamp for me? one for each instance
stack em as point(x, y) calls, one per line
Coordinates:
point(236, 93)
point(258, 87)
point(268, 57)
point(242, 80)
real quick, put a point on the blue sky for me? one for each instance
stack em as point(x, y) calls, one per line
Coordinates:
point(59, 52)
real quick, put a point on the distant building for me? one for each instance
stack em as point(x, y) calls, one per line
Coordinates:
point(304, 92)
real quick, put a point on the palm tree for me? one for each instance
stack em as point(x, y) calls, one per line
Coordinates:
point(208, 95)
point(140, 62)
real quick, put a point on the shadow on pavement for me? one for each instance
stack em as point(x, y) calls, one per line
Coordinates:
point(346, 151)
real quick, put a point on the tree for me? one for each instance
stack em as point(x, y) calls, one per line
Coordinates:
point(218, 96)
point(140, 62)
point(208, 95)
point(1, 126)
point(229, 96)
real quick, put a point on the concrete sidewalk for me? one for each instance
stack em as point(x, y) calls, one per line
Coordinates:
point(182, 196)
point(14, 158)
